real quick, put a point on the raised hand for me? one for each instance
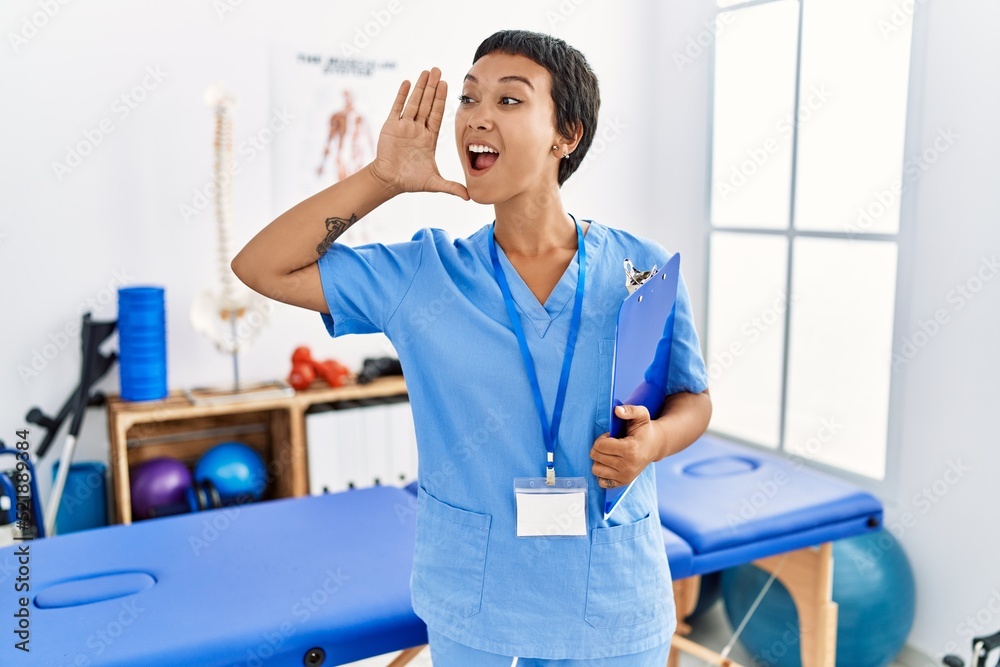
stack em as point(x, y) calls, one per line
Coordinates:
point(405, 153)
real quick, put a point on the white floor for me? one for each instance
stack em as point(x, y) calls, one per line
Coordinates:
point(712, 631)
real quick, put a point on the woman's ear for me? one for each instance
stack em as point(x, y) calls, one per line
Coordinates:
point(570, 143)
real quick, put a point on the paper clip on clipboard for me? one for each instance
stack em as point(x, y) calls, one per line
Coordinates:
point(643, 340)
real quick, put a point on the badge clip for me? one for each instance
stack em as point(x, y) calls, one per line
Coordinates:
point(633, 278)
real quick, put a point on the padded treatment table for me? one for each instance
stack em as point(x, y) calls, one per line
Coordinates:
point(251, 585)
point(733, 505)
point(262, 584)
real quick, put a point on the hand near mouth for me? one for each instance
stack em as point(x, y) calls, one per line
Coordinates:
point(405, 153)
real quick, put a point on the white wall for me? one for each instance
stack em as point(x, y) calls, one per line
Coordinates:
point(64, 243)
point(949, 390)
point(681, 127)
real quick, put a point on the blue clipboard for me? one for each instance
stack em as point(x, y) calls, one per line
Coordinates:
point(643, 340)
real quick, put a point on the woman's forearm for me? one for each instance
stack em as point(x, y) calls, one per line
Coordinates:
point(683, 420)
point(300, 235)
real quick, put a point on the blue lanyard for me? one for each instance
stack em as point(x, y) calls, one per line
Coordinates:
point(549, 433)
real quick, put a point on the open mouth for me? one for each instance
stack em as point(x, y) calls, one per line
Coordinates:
point(481, 157)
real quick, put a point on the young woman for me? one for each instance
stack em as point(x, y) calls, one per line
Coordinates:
point(506, 340)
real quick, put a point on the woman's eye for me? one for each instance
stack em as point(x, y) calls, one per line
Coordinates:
point(464, 99)
point(513, 100)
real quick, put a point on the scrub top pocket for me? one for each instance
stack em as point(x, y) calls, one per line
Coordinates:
point(629, 578)
point(449, 557)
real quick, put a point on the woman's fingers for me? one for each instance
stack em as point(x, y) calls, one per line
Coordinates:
point(609, 462)
point(604, 473)
point(437, 109)
point(413, 106)
point(438, 184)
point(408, 140)
point(633, 413)
point(457, 189)
point(607, 458)
point(397, 105)
point(607, 446)
point(426, 104)
point(427, 98)
point(602, 470)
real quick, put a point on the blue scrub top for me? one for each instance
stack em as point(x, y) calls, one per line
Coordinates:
point(477, 429)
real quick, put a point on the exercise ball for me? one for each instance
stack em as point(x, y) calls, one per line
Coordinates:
point(709, 592)
point(157, 483)
point(873, 587)
point(236, 470)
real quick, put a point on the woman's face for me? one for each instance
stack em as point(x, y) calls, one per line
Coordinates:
point(506, 106)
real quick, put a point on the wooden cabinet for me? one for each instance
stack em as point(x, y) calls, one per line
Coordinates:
point(275, 427)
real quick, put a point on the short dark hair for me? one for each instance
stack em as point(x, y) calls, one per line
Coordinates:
point(575, 91)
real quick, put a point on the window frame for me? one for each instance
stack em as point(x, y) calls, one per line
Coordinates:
point(889, 484)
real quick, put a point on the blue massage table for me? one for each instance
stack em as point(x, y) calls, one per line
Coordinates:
point(259, 584)
point(324, 580)
point(723, 504)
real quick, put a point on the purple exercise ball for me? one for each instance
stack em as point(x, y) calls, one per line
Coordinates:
point(158, 482)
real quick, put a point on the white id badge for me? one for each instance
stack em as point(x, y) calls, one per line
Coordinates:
point(545, 510)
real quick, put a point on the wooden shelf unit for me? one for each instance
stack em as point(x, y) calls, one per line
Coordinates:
point(275, 427)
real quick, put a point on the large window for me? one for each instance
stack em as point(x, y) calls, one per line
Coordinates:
point(809, 117)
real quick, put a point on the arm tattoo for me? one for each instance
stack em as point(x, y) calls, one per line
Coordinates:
point(335, 227)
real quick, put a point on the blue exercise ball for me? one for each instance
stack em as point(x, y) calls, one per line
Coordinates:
point(237, 471)
point(874, 589)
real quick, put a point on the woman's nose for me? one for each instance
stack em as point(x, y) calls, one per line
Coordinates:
point(480, 120)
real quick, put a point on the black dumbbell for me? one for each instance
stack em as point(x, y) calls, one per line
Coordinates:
point(200, 496)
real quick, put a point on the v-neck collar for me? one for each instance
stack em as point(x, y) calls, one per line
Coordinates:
point(542, 315)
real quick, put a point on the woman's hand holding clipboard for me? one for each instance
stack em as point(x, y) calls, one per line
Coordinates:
point(643, 339)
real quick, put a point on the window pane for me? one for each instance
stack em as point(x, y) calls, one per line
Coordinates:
point(752, 115)
point(852, 115)
point(746, 334)
point(839, 358)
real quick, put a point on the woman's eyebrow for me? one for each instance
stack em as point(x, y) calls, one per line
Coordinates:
point(504, 79)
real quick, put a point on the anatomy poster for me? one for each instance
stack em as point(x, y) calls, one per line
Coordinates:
point(338, 104)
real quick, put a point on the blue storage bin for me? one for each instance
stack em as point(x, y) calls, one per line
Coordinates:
point(84, 503)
